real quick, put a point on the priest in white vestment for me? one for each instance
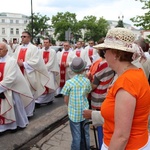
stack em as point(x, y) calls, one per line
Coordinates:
point(92, 52)
point(32, 66)
point(15, 96)
point(51, 63)
point(65, 58)
point(80, 52)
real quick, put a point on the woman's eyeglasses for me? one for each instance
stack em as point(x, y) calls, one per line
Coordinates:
point(104, 50)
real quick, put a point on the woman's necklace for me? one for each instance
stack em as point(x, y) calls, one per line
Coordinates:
point(126, 67)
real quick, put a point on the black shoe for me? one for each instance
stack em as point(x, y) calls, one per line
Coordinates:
point(49, 103)
point(3, 133)
point(30, 117)
point(13, 131)
point(59, 95)
point(37, 105)
point(17, 129)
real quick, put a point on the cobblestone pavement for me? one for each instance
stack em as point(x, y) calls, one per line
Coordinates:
point(59, 139)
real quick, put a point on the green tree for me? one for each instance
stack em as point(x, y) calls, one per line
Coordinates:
point(62, 22)
point(94, 29)
point(144, 20)
point(40, 25)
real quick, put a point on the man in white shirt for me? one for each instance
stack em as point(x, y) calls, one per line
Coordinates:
point(92, 52)
point(65, 58)
point(51, 63)
point(80, 52)
point(32, 66)
point(15, 95)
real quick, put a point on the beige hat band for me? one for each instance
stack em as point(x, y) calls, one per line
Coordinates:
point(121, 39)
point(117, 42)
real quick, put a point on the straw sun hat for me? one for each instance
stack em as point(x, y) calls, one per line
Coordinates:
point(120, 39)
point(78, 64)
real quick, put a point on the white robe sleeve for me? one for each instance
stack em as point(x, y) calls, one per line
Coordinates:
point(28, 68)
point(2, 89)
point(97, 118)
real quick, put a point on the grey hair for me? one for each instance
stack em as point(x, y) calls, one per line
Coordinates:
point(6, 46)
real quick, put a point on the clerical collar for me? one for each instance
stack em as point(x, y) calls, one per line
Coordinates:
point(46, 48)
point(2, 59)
point(25, 45)
point(66, 51)
point(79, 49)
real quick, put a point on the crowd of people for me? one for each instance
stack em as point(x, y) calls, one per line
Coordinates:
point(125, 111)
point(32, 76)
point(107, 83)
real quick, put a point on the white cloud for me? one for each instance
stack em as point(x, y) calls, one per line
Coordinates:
point(109, 9)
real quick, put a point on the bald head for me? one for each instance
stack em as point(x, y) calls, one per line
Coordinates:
point(3, 49)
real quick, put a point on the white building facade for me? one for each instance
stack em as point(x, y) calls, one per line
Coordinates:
point(12, 25)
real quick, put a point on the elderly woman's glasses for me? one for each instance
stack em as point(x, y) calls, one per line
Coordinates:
point(104, 50)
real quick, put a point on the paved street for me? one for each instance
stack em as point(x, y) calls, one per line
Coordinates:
point(43, 118)
point(59, 139)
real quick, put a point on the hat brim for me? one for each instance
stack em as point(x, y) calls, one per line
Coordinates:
point(117, 47)
point(79, 70)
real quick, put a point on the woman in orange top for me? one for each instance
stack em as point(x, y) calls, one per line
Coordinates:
point(126, 107)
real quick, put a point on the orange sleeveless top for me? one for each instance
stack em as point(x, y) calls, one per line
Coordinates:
point(135, 82)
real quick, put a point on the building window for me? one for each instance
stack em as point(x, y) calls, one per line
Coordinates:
point(11, 31)
point(3, 30)
point(3, 20)
point(25, 21)
point(17, 21)
point(17, 31)
point(11, 21)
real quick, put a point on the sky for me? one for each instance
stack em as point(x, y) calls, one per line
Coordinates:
point(108, 9)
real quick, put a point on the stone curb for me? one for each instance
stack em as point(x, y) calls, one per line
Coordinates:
point(51, 134)
point(34, 128)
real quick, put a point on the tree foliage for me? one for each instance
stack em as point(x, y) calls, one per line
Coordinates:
point(40, 25)
point(102, 28)
point(62, 22)
point(144, 20)
point(89, 26)
point(94, 29)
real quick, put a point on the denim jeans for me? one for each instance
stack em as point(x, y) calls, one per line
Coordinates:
point(78, 136)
